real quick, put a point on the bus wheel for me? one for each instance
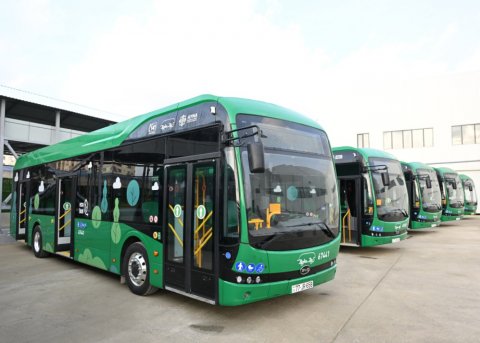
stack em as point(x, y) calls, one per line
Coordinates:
point(37, 243)
point(135, 268)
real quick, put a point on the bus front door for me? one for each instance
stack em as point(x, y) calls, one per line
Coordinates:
point(64, 215)
point(190, 221)
point(350, 195)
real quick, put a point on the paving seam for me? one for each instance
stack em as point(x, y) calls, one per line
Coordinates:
point(365, 299)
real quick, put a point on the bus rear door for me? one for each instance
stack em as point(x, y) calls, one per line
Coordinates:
point(191, 217)
point(22, 210)
point(65, 204)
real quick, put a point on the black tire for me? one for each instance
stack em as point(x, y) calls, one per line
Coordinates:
point(37, 243)
point(136, 270)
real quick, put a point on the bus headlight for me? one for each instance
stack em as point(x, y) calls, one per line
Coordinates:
point(258, 279)
point(239, 279)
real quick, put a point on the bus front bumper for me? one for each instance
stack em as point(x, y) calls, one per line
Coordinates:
point(232, 294)
point(368, 241)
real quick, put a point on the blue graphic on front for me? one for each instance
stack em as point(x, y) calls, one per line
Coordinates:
point(251, 268)
point(260, 268)
point(240, 266)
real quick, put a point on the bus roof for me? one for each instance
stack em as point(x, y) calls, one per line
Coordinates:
point(418, 165)
point(464, 177)
point(365, 152)
point(114, 135)
point(444, 170)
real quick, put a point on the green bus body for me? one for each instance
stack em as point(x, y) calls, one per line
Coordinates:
point(471, 199)
point(198, 237)
point(362, 197)
point(424, 195)
point(452, 194)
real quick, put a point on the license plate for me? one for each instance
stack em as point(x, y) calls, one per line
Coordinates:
point(302, 286)
point(395, 240)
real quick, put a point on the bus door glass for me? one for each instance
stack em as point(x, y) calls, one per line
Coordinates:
point(350, 190)
point(64, 212)
point(190, 228)
point(22, 210)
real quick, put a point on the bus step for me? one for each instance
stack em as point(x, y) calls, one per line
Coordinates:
point(64, 253)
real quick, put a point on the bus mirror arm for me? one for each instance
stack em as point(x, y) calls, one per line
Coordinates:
point(383, 170)
point(229, 138)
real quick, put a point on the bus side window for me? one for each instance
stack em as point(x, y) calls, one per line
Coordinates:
point(232, 227)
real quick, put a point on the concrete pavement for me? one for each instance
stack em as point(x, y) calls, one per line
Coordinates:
point(423, 289)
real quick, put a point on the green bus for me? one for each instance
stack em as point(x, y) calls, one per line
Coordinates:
point(373, 197)
point(424, 195)
point(452, 194)
point(470, 194)
point(224, 200)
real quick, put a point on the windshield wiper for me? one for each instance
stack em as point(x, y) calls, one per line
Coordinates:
point(323, 226)
point(271, 239)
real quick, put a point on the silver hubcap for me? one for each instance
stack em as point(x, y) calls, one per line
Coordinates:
point(36, 241)
point(137, 269)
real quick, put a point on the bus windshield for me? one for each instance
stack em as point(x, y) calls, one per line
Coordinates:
point(455, 190)
point(431, 197)
point(294, 203)
point(391, 199)
point(470, 194)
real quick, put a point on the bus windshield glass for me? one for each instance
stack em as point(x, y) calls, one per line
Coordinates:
point(470, 195)
point(431, 197)
point(294, 203)
point(391, 199)
point(455, 190)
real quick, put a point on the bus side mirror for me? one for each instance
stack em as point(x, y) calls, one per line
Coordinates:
point(385, 179)
point(428, 181)
point(256, 157)
point(470, 188)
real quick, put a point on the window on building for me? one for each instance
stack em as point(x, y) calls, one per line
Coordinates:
point(363, 140)
point(466, 134)
point(406, 139)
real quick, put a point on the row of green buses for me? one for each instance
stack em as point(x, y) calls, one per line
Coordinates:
point(382, 197)
point(224, 200)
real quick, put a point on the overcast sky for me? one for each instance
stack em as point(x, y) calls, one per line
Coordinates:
point(130, 57)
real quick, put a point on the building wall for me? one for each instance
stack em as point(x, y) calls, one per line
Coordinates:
point(437, 102)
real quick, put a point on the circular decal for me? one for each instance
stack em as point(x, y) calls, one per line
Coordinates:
point(260, 268)
point(240, 266)
point(177, 211)
point(201, 212)
point(251, 267)
point(292, 193)
point(133, 192)
point(67, 206)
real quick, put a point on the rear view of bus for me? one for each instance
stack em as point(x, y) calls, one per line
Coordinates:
point(373, 197)
point(470, 193)
point(423, 194)
point(452, 194)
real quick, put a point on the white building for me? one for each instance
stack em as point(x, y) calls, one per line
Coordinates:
point(435, 120)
